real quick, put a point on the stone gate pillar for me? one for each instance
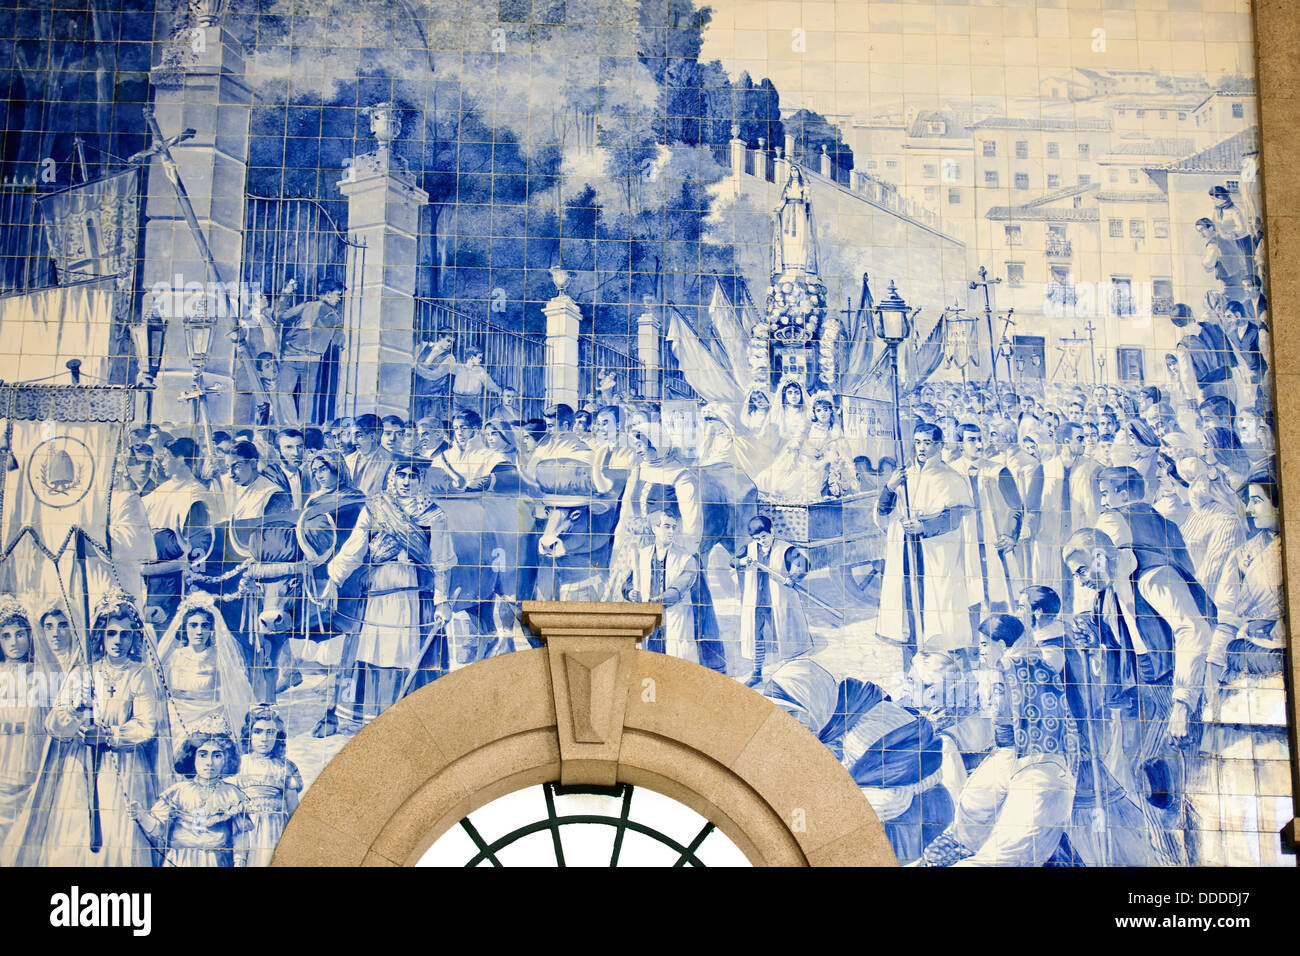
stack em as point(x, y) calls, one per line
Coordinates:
point(383, 222)
point(563, 318)
point(649, 337)
point(199, 83)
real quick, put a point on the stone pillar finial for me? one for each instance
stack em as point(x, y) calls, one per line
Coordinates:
point(760, 159)
point(737, 152)
point(206, 13)
point(561, 277)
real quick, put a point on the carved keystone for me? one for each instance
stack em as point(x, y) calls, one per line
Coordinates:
point(590, 650)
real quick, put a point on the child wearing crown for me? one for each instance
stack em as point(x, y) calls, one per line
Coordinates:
point(199, 821)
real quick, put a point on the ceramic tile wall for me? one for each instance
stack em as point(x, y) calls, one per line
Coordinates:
point(914, 354)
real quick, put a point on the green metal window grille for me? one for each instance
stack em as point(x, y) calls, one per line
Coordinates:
point(622, 823)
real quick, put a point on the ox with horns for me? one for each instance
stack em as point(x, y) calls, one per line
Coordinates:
point(567, 553)
point(272, 608)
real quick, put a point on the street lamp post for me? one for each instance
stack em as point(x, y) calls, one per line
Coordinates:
point(892, 321)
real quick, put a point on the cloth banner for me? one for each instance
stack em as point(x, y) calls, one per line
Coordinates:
point(63, 444)
point(725, 336)
point(960, 342)
point(93, 230)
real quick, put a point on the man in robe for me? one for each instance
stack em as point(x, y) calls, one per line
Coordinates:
point(1157, 623)
point(992, 526)
point(925, 598)
point(1070, 501)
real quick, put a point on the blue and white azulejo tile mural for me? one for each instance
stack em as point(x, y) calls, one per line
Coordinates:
point(914, 354)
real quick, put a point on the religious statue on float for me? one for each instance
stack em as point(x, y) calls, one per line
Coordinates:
point(798, 340)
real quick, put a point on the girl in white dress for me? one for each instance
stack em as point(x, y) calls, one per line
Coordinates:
point(203, 666)
point(270, 781)
point(25, 690)
point(109, 725)
point(200, 820)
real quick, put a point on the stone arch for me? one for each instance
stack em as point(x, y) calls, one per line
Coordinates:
point(588, 707)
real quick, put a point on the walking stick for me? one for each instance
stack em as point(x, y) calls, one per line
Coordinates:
point(1095, 760)
point(424, 649)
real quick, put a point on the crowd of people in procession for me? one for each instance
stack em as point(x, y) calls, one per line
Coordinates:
point(1073, 574)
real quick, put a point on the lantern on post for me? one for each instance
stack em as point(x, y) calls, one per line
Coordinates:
point(891, 320)
point(198, 337)
point(198, 324)
point(148, 336)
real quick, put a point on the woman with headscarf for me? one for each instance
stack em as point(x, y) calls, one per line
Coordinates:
point(327, 519)
point(500, 459)
point(1245, 710)
point(758, 412)
point(1215, 525)
point(55, 640)
point(402, 539)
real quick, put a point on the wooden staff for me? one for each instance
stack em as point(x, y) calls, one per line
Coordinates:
point(92, 766)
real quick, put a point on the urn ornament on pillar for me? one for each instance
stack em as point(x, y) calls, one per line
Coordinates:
point(206, 13)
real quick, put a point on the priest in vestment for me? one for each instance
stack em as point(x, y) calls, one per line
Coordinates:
point(924, 597)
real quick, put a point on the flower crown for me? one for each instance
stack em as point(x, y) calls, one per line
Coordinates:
point(116, 602)
point(11, 607)
point(212, 725)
